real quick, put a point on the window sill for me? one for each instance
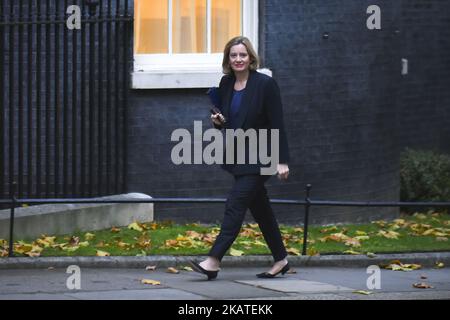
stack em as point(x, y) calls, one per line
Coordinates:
point(179, 79)
point(186, 79)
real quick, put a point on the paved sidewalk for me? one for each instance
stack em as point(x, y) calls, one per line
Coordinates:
point(234, 282)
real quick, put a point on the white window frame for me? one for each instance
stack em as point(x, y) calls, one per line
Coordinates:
point(174, 71)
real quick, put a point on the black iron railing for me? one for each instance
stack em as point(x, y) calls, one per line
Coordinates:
point(307, 203)
point(64, 97)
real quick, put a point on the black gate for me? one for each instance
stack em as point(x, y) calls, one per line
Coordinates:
point(63, 97)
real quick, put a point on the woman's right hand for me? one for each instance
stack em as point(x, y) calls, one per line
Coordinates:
point(217, 119)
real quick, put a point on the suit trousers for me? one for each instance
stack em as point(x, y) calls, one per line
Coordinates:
point(249, 192)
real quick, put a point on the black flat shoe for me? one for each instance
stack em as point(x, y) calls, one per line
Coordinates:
point(267, 275)
point(198, 268)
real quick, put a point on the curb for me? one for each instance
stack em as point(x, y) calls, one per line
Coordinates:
point(426, 260)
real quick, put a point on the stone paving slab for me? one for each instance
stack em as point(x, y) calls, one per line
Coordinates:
point(298, 286)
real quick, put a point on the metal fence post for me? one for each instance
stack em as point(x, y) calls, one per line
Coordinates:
point(305, 225)
point(11, 220)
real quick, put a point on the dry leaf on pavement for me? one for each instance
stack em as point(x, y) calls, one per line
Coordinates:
point(151, 282)
point(422, 285)
point(150, 268)
point(187, 268)
point(172, 270)
point(363, 292)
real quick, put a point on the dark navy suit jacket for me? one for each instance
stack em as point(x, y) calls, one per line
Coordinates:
point(261, 108)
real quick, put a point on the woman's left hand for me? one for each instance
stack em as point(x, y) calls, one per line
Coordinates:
point(283, 171)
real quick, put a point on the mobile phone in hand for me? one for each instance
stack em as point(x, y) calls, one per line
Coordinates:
point(215, 111)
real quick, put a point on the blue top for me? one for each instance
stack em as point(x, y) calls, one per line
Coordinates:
point(236, 103)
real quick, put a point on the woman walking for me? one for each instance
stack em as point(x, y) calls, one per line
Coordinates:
point(249, 100)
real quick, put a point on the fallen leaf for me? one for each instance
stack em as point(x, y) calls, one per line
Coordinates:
point(101, 244)
point(151, 282)
point(293, 251)
point(35, 251)
point(89, 236)
point(194, 235)
point(395, 267)
point(371, 255)
point(123, 245)
point(46, 241)
point(187, 268)
point(143, 242)
point(428, 232)
point(436, 215)
point(388, 234)
point(420, 216)
point(326, 230)
point(412, 266)
point(115, 230)
point(172, 270)
point(422, 285)
point(400, 221)
point(259, 243)
point(312, 252)
point(102, 253)
point(352, 252)
point(74, 241)
point(209, 238)
point(250, 233)
point(398, 266)
point(135, 226)
point(337, 237)
point(22, 247)
point(380, 223)
point(423, 277)
point(363, 292)
point(352, 242)
point(3, 243)
point(150, 268)
point(439, 265)
point(142, 254)
point(236, 253)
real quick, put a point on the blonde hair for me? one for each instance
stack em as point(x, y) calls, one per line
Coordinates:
point(254, 59)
